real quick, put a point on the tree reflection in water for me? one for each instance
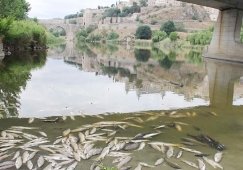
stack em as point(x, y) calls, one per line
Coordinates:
point(15, 72)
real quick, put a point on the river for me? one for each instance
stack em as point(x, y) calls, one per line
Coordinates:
point(178, 89)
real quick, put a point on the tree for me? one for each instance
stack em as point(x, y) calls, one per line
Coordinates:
point(168, 27)
point(144, 32)
point(173, 36)
point(143, 3)
point(112, 12)
point(14, 8)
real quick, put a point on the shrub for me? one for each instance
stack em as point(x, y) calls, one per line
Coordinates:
point(200, 38)
point(173, 36)
point(143, 32)
point(168, 27)
point(158, 36)
point(25, 33)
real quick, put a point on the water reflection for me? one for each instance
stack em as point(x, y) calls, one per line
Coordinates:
point(15, 73)
point(91, 78)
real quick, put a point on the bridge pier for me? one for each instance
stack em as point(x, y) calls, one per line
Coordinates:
point(222, 77)
point(226, 43)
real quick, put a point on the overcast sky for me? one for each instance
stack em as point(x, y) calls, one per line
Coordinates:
point(59, 8)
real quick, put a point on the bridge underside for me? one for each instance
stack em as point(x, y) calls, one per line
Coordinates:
point(218, 4)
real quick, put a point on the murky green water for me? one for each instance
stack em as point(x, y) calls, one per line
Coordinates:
point(207, 97)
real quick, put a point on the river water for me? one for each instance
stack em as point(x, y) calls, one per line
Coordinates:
point(178, 89)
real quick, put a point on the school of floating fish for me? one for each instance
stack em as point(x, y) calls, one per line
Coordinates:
point(20, 149)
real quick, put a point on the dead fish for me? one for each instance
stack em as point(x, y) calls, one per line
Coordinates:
point(32, 155)
point(139, 167)
point(31, 120)
point(16, 155)
point(170, 152)
point(179, 154)
point(218, 157)
point(25, 157)
point(146, 165)
point(178, 128)
point(77, 157)
point(150, 135)
point(104, 152)
point(124, 162)
point(43, 134)
point(18, 163)
point(172, 165)
point(201, 165)
point(160, 127)
point(30, 165)
point(93, 131)
point(40, 162)
point(190, 163)
point(159, 161)
point(72, 117)
point(141, 146)
point(66, 132)
point(212, 163)
point(190, 150)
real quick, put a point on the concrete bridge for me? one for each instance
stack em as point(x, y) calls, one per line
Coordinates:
point(226, 38)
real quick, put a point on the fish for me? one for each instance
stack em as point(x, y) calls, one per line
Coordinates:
point(159, 161)
point(201, 164)
point(40, 161)
point(16, 155)
point(43, 134)
point(141, 146)
point(66, 132)
point(218, 157)
point(30, 165)
point(160, 127)
point(150, 135)
point(31, 120)
point(18, 163)
point(25, 157)
point(32, 155)
point(190, 150)
point(104, 152)
point(124, 161)
point(146, 165)
point(48, 167)
point(190, 163)
point(138, 167)
point(179, 154)
point(213, 163)
point(72, 117)
point(170, 152)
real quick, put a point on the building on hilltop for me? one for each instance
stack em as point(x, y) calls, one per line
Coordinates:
point(92, 16)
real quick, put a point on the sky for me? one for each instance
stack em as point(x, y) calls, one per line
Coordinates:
point(44, 9)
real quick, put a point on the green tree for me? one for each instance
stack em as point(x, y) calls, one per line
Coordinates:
point(14, 8)
point(143, 32)
point(173, 36)
point(158, 36)
point(168, 27)
point(112, 12)
point(5, 25)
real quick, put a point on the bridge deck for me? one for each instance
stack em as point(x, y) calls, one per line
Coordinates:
point(218, 4)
